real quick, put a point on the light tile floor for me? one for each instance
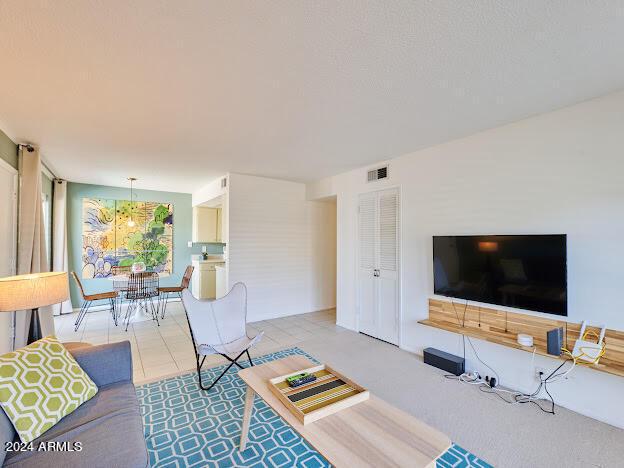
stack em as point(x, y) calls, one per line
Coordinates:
point(160, 351)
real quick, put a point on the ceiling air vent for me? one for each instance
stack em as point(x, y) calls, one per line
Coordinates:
point(224, 182)
point(377, 174)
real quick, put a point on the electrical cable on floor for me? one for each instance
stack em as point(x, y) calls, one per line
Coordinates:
point(517, 397)
point(464, 337)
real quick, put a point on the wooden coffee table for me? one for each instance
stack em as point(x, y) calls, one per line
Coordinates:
point(371, 433)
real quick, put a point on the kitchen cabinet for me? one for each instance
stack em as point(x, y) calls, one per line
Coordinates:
point(204, 281)
point(221, 280)
point(207, 224)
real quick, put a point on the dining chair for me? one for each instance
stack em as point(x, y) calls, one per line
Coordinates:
point(219, 326)
point(87, 299)
point(166, 291)
point(120, 282)
point(142, 289)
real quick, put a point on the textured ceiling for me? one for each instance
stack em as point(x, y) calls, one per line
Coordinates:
point(179, 92)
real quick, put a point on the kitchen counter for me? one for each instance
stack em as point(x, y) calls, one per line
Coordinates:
point(199, 260)
point(205, 276)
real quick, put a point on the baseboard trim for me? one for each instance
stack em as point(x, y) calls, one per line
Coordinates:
point(271, 317)
point(106, 307)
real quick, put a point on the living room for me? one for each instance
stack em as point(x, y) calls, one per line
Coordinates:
point(420, 210)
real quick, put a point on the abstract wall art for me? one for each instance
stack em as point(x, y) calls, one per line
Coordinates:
point(108, 239)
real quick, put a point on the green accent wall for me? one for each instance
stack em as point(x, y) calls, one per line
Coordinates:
point(8, 150)
point(182, 231)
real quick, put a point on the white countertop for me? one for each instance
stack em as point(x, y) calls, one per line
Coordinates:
point(215, 259)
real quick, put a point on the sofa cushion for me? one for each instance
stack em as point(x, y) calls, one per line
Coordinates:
point(39, 385)
point(7, 434)
point(108, 427)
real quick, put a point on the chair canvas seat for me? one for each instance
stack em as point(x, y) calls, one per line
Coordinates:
point(219, 326)
point(234, 347)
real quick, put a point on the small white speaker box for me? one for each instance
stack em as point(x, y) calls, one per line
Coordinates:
point(525, 340)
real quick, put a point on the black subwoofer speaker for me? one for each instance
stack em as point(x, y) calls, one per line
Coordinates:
point(445, 361)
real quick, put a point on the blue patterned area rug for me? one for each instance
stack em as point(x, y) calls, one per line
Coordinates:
point(187, 427)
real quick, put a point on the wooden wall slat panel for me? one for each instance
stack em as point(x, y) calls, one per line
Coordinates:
point(502, 327)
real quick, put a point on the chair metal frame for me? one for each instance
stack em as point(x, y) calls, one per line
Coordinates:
point(88, 299)
point(163, 298)
point(199, 356)
point(120, 286)
point(142, 288)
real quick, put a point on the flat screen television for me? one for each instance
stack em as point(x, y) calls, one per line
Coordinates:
point(527, 272)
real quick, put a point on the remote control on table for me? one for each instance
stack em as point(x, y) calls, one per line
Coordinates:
point(300, 379)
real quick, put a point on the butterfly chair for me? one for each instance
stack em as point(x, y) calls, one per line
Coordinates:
point(142, 289)
point(166, 291)
point(219, 327)
point(87, 299)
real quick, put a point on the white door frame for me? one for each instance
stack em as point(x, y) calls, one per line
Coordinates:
point(399, 263)
point(11, 170)
point(4, 166)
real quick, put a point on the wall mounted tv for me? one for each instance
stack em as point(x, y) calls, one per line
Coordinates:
point(527, 272)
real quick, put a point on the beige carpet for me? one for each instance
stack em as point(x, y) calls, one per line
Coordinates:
point(514, 436)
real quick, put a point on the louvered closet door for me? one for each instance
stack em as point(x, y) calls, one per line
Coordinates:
point(367, 263)
point(379, 265)
point(388, 278)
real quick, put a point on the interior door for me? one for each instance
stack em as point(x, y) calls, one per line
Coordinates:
point(379, 265)
point(387, 267)
point(367, 263)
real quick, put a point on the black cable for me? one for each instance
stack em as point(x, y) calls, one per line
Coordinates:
point(470, 341)
point(460, 323)
point(529, 398)
point(481, 361)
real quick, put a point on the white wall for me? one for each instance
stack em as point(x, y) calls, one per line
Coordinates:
point(281, 246)
point(561, 172)
point(209, 192)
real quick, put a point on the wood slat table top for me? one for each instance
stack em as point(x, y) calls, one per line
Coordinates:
point(371, 433)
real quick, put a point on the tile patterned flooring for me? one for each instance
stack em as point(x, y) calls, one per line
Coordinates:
point(161, 351)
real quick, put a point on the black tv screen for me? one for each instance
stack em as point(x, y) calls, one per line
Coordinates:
point(527, 272)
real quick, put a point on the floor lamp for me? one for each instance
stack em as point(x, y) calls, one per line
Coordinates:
point(30, 292)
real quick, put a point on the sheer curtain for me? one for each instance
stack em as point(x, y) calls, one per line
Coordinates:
point(31, 249)
point(59, 237)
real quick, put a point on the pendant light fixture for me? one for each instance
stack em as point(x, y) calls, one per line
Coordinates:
point(131, 221)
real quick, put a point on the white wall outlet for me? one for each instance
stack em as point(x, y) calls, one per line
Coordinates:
point(540, 372)
point(189, 244)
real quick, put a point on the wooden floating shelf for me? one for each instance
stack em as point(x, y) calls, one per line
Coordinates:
point(501, 327)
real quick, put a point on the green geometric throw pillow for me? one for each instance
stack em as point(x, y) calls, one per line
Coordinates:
point(40, 384)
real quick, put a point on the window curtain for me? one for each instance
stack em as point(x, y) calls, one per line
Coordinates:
point(59, 238)
point(31, 247)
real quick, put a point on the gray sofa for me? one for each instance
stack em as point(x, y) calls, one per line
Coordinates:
point(109, 426)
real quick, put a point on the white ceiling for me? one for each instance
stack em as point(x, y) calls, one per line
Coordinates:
point(177, 93)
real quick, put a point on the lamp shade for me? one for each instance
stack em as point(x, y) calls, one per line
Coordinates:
point(33, 291)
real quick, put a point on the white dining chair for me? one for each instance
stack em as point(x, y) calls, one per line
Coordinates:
point(218, 326)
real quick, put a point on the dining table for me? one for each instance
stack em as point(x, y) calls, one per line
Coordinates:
point(120, 285)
